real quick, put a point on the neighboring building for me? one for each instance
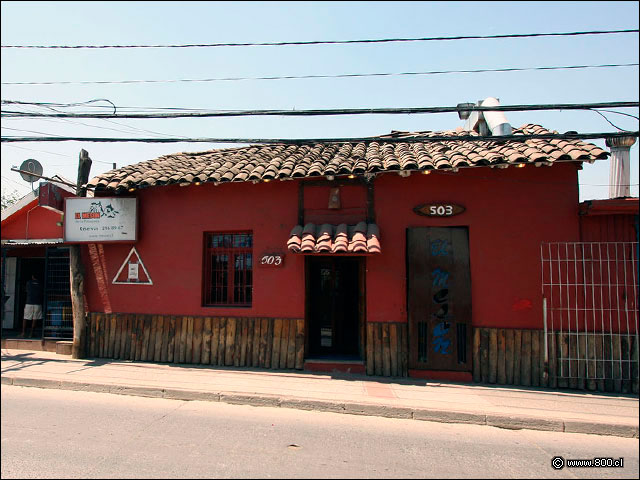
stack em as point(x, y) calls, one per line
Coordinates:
point(32, 243)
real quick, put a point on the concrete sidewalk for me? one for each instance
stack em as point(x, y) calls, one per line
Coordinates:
point(498, 406)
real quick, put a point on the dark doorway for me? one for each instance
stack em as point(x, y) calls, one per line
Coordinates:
point(334, 307)
point(439, 298)
point(26, 267)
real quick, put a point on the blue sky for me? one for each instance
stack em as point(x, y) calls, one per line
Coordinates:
point(96, 23)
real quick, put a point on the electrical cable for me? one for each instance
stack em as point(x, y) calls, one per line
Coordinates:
point(30, 131)
point(609, 121)
point(384, 139)
point(345, 75)
point(332, 42)
point(337, 111)
point(34, 150)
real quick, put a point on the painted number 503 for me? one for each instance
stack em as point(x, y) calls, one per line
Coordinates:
point(441, 210)
point(271, 260)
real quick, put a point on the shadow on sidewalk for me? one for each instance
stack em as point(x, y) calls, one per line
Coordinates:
point(22, 361)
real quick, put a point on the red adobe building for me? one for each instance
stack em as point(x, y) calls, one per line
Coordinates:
point(393, 257)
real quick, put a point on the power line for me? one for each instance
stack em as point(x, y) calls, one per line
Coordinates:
point(29, 131)
point(288, 141)
point(13, 181)
point(34, 150)
point(332, 42)
point(337, 111)
point(342, 75)
point(609, 121)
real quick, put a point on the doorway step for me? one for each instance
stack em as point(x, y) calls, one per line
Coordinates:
point(328, 365)
point(61, 347)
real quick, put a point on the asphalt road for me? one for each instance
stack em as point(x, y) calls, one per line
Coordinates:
point(66, 434)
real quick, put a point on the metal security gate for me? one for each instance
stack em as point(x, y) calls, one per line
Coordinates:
point(58, 321)
point(590, 295)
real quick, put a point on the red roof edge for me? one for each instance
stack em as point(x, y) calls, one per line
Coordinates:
point(611, 206)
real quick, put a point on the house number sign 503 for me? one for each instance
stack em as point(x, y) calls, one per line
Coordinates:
point(272, 260)
point(439, 209)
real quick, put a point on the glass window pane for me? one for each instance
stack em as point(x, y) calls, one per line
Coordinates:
point(223, 286)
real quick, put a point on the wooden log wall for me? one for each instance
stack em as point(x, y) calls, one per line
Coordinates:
point(598, 362)
point(276, 343)
point(387, 349)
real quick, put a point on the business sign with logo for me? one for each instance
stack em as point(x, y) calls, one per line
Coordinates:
point(100, 220)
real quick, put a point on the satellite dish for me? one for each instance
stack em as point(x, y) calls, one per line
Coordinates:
point(32, 166)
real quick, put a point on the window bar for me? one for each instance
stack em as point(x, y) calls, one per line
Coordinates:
point(619, 332)
point(575, 280)
point(584, 313)
point(560, 300)
point(552, 307)
point(593, 308)
point(568, 284)
point(618, 368)
point(602, 310)
point(634, 260)
point(626, 312)
point(610, 313)
point(543, 285)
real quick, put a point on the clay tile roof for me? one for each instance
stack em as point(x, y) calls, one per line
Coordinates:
point(266, 162)
point(342, 238)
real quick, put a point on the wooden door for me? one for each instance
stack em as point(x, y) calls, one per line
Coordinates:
point(439, 298)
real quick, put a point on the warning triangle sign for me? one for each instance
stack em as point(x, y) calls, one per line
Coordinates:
point(132, 271)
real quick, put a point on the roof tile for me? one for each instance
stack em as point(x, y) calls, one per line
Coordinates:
point(262, 162)
point(342, 238)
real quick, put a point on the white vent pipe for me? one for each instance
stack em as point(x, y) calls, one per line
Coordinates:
point(496, 121)
point(485, 123)
point(619, 175)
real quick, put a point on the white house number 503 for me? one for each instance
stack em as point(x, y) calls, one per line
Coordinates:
point(441, 210)
point(271, 260)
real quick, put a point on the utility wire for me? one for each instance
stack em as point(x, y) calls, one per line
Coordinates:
point(609, 121)
point(156, 109)
point(34, 150)
point(332, 42)
point(338, 111)
point(29, 131)
point(306, 141)
point(343, 75)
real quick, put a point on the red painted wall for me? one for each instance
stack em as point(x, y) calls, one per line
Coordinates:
point(508, 212)
point(32, 222)
point(608, 228)
point(172, 221)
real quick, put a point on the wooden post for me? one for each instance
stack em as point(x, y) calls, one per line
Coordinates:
point(484, 355)
point(76, 268)
point(477, 377)
point(493, 355)
point(509, 354)
point(502, 347)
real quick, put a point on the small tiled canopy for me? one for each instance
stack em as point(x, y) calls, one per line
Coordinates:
point(342, 238)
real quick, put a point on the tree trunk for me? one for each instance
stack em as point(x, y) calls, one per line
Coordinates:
point(77, 301)
point(76, 269)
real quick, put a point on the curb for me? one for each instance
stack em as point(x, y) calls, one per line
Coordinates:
point(511, 422)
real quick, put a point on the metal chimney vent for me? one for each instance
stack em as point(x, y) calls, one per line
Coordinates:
point(488, 122)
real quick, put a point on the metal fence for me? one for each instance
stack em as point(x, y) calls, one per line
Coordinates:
point(590, 294)
point(58, 321)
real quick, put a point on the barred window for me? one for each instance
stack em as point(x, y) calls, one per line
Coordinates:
point(228, 271)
